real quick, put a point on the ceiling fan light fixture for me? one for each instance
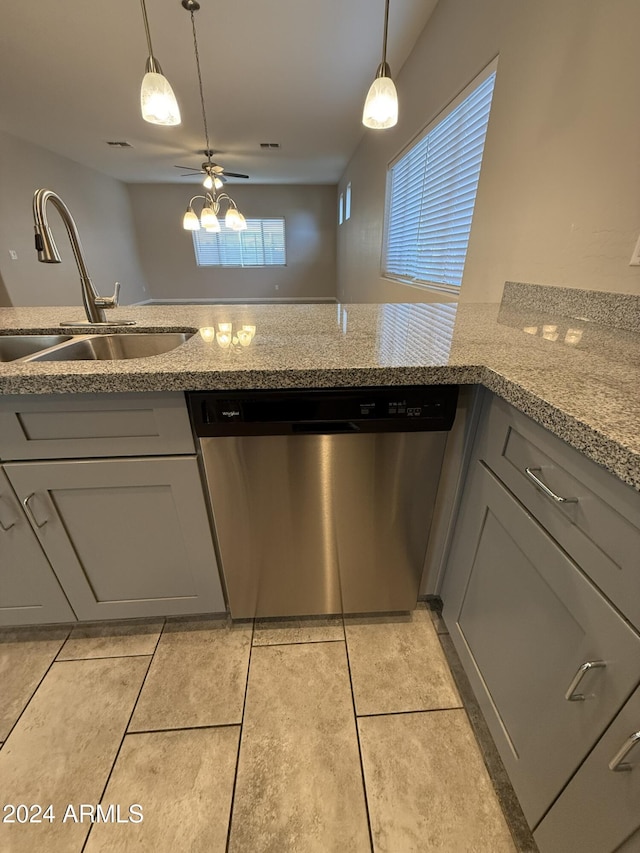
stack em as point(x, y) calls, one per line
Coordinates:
point(190, 221)
point(157, 100)
point(212, 181)
point(208, 219)
point(232, 219)
point(381, 104)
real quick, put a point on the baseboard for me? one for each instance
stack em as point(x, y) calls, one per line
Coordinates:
point(241, 301)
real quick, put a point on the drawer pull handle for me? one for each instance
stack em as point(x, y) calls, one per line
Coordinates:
point(531, 474)
point(616, 763)
point(571, 695)
point(29, 511)
point(4, 526)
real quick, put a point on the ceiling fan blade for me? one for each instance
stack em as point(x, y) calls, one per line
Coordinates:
point(187, 174)
point(234, 174)
point(192, 168)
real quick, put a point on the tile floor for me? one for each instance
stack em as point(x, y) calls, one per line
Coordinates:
point(305, 736)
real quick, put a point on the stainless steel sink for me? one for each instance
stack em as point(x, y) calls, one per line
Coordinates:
point(114, 346)
point(13, 347)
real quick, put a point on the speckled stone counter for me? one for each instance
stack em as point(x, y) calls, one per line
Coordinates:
point(579, 379)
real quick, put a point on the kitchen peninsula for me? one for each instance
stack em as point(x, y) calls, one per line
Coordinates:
point(577, 378)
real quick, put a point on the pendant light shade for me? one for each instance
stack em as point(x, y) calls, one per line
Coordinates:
point(208, 219)
point(157, 100)
point(381, 106)
point(232, 219)
point(190, 221)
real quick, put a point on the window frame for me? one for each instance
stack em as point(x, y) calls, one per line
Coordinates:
point(438, 287)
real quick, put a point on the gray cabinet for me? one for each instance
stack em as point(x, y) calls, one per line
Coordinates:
point(125, 537)
point(540, 597)
point(599, 810)
point(525, 623)
point(29, 590)
point(111, 488)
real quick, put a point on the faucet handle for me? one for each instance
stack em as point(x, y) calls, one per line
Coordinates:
point(109, 301)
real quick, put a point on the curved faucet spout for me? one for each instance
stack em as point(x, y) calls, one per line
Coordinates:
point(48, 252)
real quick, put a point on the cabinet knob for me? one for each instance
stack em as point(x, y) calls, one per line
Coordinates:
point(616, 762)
point(571, 695)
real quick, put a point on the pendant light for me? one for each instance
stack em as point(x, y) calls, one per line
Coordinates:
point(212, 183)
point(157, 101)
point(381, 106)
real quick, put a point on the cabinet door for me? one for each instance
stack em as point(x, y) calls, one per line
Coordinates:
point(126, 537)
point(29, 591)
point(599, 809)
point(525, 620)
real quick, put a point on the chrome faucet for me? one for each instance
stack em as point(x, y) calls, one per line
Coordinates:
point(94, 304)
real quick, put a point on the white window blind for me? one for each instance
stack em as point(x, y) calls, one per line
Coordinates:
point(261, 245)
point(431, 193)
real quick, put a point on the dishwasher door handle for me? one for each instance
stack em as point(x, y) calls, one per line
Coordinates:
point(324, 427)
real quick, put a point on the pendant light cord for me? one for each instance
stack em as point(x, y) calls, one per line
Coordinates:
point(146, 26)
point(384, 37)
point(204, 114)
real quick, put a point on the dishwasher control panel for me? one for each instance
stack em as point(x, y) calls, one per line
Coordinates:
point(383, 409)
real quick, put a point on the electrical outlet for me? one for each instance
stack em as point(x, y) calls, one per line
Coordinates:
point(277, 286)
point(635, 257)
point(13, 254)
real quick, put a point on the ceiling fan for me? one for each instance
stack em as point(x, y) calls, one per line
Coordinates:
point(211, 170)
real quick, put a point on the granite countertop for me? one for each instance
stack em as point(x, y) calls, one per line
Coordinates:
point(578, 378)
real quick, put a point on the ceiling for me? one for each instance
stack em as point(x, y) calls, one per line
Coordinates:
point(294, 72)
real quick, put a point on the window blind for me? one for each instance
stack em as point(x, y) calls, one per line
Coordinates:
point(261, 245)
point(431, 194)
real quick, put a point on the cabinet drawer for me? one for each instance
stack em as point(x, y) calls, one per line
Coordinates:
point(599, 528)
point(94, 425)
point(524, 620)
point(598, 810)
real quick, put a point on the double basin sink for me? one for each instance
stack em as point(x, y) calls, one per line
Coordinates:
point(108, 347)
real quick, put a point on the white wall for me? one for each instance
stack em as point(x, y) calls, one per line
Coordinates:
point(100, 207)
point(166, 249)
point(559, 195)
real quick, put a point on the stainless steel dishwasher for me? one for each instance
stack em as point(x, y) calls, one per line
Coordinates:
point(322, 499)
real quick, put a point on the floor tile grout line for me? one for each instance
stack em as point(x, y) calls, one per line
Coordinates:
point(413, 711)
point(107, 657)
point(244, 705)
point(184, 729)
point(355, 723)
point(126, 728)
point(35, 690)
point(297, 643)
